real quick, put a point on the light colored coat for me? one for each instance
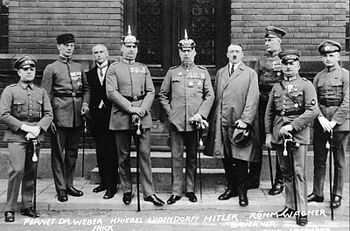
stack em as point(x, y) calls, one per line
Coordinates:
point(236, 97)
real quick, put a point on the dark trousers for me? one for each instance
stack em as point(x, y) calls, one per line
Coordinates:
point(320, 158)
point(179, 140)
point(21, 170)
point(236, 171)
point(64, 153)
point(107, 160)
point(123, 142)
point(255, 167)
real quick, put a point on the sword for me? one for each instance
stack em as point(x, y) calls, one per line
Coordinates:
point(329, 148)
point(270, 165)
point(138, 132)
point(288, 152)
point(83, 155)
point(35, 160)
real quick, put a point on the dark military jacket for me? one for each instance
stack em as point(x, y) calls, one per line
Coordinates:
point(185, 92)
point(268, 74)
point(24, 103)
point(129, 84)
point(332, 87)
point(66, 84)
point(291, 102)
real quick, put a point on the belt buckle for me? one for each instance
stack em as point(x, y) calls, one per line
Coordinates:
point(73, 94)
point(135, 98)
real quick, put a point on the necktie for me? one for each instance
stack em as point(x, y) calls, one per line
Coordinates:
point(232, 69)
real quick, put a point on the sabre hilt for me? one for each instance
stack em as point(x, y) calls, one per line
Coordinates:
point(289, 142)
point(136, 123)
point(35, 143)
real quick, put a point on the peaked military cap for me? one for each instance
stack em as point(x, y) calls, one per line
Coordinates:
point(287, 56)
point(186, 42)
point(25, 60)
point(129, 38)
point(329, 46)
point(273, 32)
point(65, 38)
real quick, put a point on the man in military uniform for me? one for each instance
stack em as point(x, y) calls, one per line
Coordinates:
point(186, 95)
point(269, 72)
point(130, 88)
point(100, 113)
point(292, 106)
point(65, 82)
point(26, 110)
point(234, 112)
point(332, 86)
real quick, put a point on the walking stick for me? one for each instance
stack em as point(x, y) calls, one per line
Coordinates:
point(35, 160)
point(329, 148)
point(199, 144)
point(288, 152)
point(138, 132)
point(83, 156)
point(270, 165)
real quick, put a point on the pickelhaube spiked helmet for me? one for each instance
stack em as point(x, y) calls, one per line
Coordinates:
point(129, 38)
point(186, 42)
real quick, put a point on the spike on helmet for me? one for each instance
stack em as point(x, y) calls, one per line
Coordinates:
point(129, 38)
point(186, 42)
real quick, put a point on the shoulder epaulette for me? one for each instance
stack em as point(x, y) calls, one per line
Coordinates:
point(202, 67)
point(12, 85)
point(305, 79)
point(115, 62)
point(173, 67)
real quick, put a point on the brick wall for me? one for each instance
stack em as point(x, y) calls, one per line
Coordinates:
point(34, 24)
point(307, 22)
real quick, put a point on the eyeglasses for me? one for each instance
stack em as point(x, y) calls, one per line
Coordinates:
point(28, 68)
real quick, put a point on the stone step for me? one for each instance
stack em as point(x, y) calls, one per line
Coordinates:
point(161, 163)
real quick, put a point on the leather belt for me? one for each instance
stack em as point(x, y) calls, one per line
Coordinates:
point(330, 103)
point(288, 113)
point(66, 94)
point(134, 98)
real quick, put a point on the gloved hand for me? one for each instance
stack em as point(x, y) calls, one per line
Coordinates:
point(268, 141)
point(326, 125)
point(84, 109)
point(285, 131)
point(240, 124)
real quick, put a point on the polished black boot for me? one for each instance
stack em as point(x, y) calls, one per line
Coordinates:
point(227, 194)
point(277, 188)
point(314, 198)
point(172, 199)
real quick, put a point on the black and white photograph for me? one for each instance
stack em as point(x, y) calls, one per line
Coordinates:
point(173, 115)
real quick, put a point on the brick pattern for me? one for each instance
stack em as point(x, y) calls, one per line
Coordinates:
point(307, 22)
point(34, 25)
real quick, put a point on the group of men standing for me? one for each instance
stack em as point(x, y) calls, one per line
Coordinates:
point(246, 108)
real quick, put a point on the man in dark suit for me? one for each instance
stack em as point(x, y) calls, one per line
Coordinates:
point(100, 112)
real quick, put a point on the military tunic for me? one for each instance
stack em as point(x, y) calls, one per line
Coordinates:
point(22, 103)
point(292, 102)
point(332, 86)
point(269, 73)
point(66, 84)
point(130, 84)
point(185, 91)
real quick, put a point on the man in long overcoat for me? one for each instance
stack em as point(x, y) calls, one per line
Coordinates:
point(236, 103)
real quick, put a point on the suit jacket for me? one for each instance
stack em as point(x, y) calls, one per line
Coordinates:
point(236, 97)
point(99, 112)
